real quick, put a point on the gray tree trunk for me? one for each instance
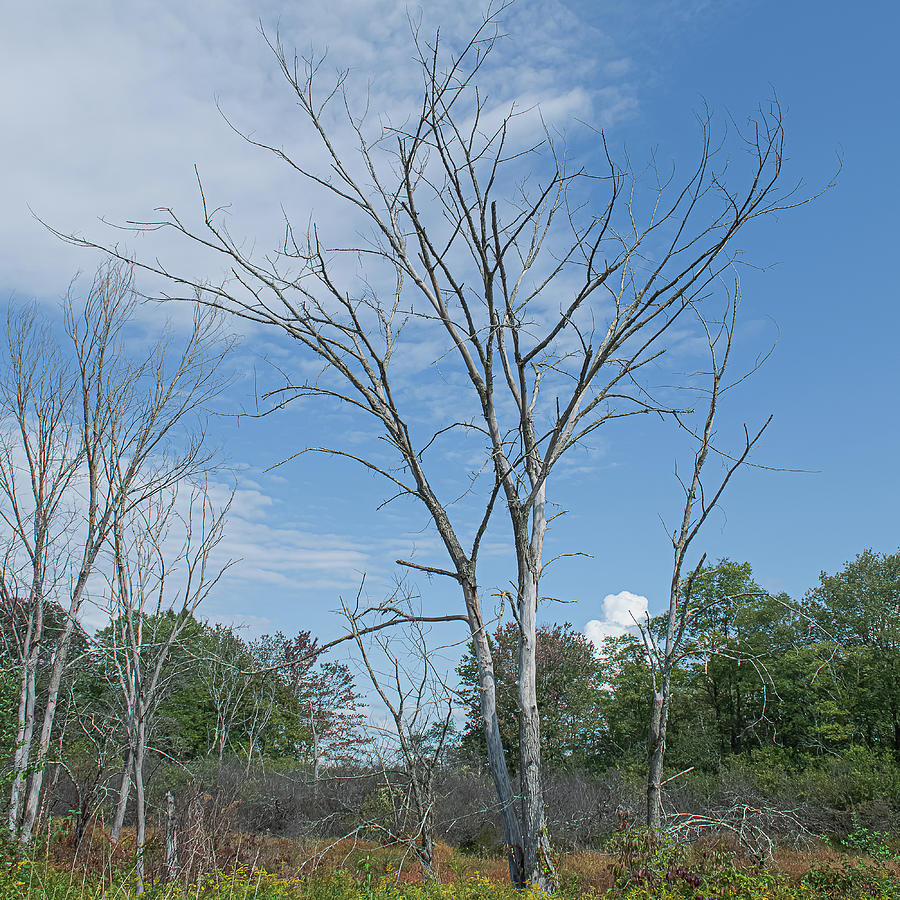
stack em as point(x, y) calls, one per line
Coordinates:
point(124, 794)
point(32, 802)
point(659, 716)
point(538, 863)
point(171, 839)
point(512, 832)
point(24, 735)
point(141, 813)
point(25, 713)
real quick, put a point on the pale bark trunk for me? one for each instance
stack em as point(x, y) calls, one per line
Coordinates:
point(124, 794)
point(512, 832)
point(425, 852)
point(659, 715)
point(171, 839)
point(24, 735)
point(539, 867)
point(32, 802)
point(662, 691)
point(59, 664)
point(315, 749)
point(140, 812)
point(25, 714)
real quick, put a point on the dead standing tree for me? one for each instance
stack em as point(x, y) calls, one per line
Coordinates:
point(664, 650)
point(546, 310)
point(420, 707)
point(39, 456)
point(115, 423)
point(162, 572)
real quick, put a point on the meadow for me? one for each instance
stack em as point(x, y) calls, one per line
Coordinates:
point(635, 865)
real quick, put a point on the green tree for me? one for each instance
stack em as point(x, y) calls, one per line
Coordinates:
point(857, 611)
point(569, 693)
point(735, 639)
point(736, 682)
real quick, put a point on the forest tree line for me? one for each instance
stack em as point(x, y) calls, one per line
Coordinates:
point(782, 685)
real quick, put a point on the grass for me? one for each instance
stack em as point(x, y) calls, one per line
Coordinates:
point(636, 868)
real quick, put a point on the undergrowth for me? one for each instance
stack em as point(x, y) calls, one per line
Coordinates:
point(638, 866)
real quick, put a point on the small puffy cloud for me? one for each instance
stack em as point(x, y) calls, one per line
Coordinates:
point(623, 608)
point(620, 611)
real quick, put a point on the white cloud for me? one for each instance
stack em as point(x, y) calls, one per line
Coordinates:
point(620, 611)
point(623, 608)
point(109, 106)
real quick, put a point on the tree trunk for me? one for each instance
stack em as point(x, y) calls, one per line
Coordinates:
point(512, 833)
point(315, 750)
point(171, 839)
point(24, 734)
point(124, 794)
point(425, 852)
point(659, 720)
point(539, 867)
point(25, 716)
point(140, 813)
point(32, 801)
point(59, 664)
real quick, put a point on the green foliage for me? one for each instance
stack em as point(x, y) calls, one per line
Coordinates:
point(852, 879)
point(857, 613)
point(868, 842)
point(8, 704)
point(569, 694)
point(815, 681)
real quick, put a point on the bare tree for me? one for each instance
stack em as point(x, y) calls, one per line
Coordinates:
point(116, 432)
point(664, 650)
point(226, 672)
point(421, 712)
point(546, 302)
point(39, 457)
point(159, 581)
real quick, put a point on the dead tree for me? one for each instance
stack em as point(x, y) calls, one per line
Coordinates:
point(162, 572)
point(421, 710)
point(225, 670)
point(40, 455)
point(544, 301)
point(664, 650)
point(109, 428)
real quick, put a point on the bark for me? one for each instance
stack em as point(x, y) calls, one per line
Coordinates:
point(659, 715)
point(32, 802)
point(171, 839)
point(124, 794)
point(24, 734)
point(140, 813)
point(315, 749)
point(31, 649)
point(512, 832)
point(425, 852)
point(538, 862)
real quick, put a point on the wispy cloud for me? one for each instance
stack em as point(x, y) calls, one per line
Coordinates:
point(109, 106)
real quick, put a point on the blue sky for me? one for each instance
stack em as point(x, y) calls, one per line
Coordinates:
point(108, 106)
